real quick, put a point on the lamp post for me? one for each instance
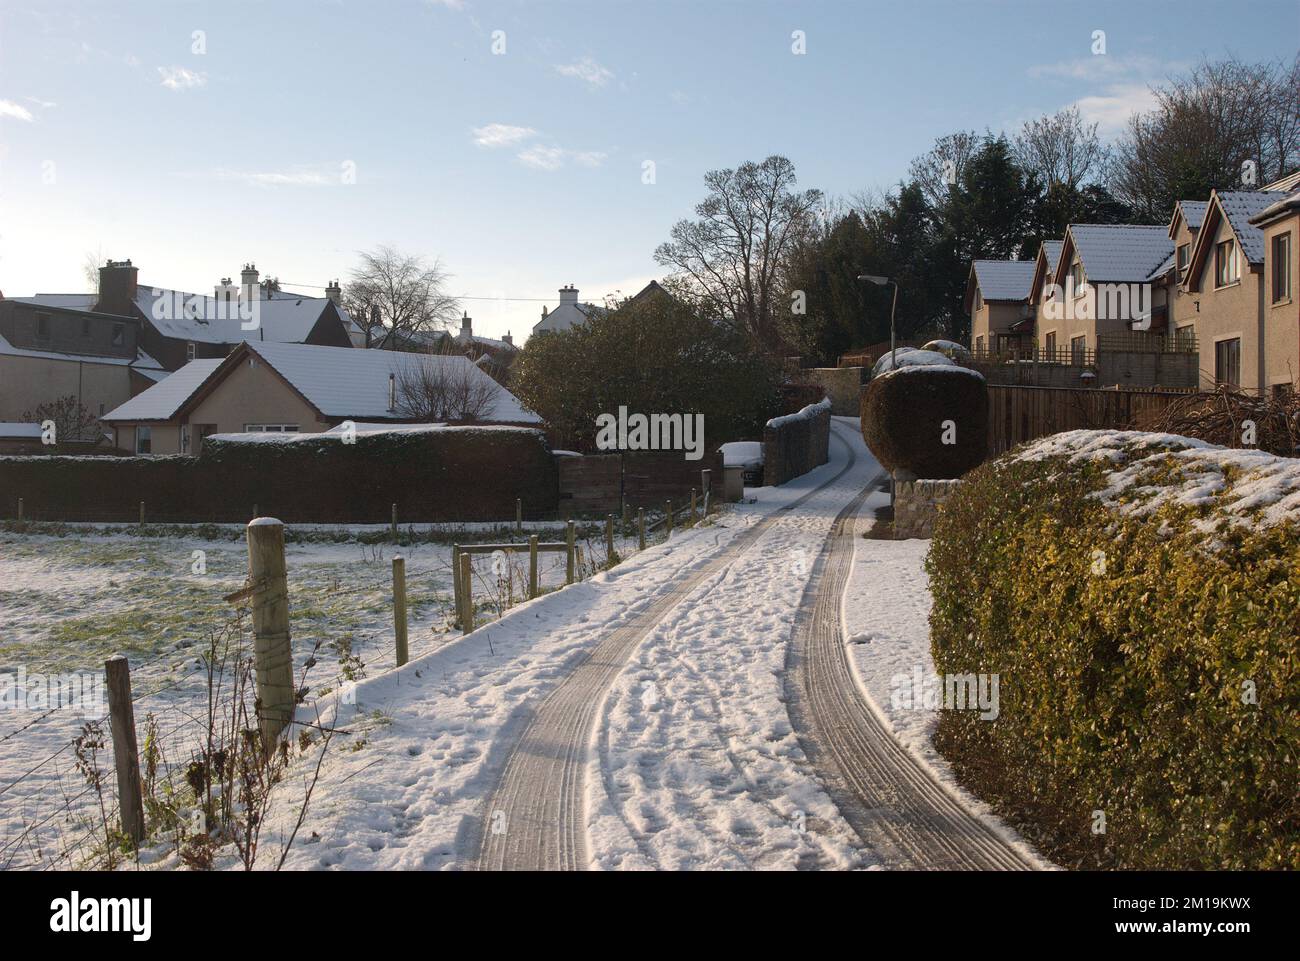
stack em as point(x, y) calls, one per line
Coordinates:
point(881, 282)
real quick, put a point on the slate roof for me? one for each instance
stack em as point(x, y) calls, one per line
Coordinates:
point(1053, 250)
point(1121, 253)
point(1193, 212)
point(1277, 208)
point(1004, 279)
point(165, 398)
point(1239, 206)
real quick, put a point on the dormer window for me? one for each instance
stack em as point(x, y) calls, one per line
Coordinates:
point(1076, 277)
point(1184, 255)
point(119, 335)
point(1227, 269)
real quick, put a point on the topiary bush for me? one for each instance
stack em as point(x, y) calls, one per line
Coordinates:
point(931, 421)
point(1139, 597)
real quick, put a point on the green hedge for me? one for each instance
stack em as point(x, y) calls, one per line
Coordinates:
point(1124, 625)
point(455, 474)
point(903, 415)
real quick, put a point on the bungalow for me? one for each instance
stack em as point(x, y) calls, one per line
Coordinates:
point(270, 387)
point(997, 298)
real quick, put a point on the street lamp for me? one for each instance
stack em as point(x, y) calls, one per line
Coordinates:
point(881, 282)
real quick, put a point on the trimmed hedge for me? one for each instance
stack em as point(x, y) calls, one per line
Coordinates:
point(903, 415)
point(1130, 592)
point(462, 473)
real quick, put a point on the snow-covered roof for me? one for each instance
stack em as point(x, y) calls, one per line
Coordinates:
point(1122, 253)
point(141, 362)
point(346, 382)
point(164, 399)
point(1004, 279)
point(338, 381)
point(17, 429)
point(67, 301)
point(742, 453)
point(202, 319)
point(1239, 206)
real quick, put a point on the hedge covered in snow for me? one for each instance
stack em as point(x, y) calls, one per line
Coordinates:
point(1139, 597)
point(929, 420)
point(454, 473)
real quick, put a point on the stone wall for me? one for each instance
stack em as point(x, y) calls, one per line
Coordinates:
point(917, 503)
point(796, 443)
point(841, 384)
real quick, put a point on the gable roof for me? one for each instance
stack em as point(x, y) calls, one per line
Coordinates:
point(1116, 253)
point(1045, 261)
point(1238, 208)
point(164, 399)
point(201, 319)
point(1288, 183)
point(339, 382)
point(1192, 212)
point(1003, 279)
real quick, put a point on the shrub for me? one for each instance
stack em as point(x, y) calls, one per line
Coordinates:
point(1130, 590)
point(905, 415)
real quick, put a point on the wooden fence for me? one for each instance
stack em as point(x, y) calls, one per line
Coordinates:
point(598, 483)
point(1018, 414)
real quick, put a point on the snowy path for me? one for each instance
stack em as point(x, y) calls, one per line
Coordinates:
point(891, 800)
point(536, 818)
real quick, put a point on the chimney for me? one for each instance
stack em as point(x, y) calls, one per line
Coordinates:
point(466, 328)
point(226, 291)
point(543, 311)
point(569, 295)
point(248, 286)
point(117, 285)
point(335, 293)
point(508, 339)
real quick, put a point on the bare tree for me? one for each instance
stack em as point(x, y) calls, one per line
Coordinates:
point(392, 294)
point(72, 422)
point(732, 256)
point(1061, 149)
point(942, 166)
point(1203, 130)
point(435, 387)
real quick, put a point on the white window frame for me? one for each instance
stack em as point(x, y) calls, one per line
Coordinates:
point(271, 428)
point(1234, 264)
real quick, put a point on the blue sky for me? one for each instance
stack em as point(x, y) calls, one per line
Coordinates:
point(306, 131)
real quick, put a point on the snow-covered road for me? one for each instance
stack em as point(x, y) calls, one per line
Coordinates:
point(637, 720)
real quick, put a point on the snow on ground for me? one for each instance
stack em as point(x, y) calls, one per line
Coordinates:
point(69, 602)
point(696, 765)
point(886, 621)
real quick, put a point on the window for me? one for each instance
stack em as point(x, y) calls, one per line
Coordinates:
point(119, 335)
point(43, 327)
point(1078, 348)
point(1226, 271)
point(979, 299)
point(1282, 392)
point(144, 440)
point(1049, 345)
point(1281, 268)
point(979, 344)
point(189, 352)
point(271, 428)
point(1185, 335)
point(1184, 255)
point(1227, 362)
point(1076, 278)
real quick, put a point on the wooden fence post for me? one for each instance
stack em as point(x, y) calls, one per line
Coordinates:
point(457, 606)
point(519, 514)
point(466, 595)
point(20, 508)
point(609, 540)
point(394, 523)
point(705, 476)
point(692, 506)
point(569, 542)
point(640, 523)
point(668, 506)
point(272, 654)
point(142, 513)
point(126, 756)
point(532, 566)
point(399, 608)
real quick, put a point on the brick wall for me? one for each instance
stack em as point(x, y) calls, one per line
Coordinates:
point(795, 444)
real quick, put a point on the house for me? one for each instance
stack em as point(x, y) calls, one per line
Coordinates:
point(569, 314)
point(1103, 285)
point(1226, 289)
point(265, 386)
point(176, 327)
point(1280, 224)
point(997, 298)
point(60, 348)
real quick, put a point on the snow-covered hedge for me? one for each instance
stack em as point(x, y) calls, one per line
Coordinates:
point(1139, 597)
point(929, 420)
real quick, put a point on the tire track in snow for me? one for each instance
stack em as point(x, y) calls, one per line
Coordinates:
point(885, 794)
point(536, 816)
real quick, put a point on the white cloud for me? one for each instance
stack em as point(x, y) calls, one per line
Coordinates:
point(586, 70)
point(1103, 67)
point(588, 158)
point(1111, 110)
point(43, 104)
point(18, 112)
point(180, 78)
point(317, 175)
point(542, 157)
point(501, 135)
point(449, 4)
